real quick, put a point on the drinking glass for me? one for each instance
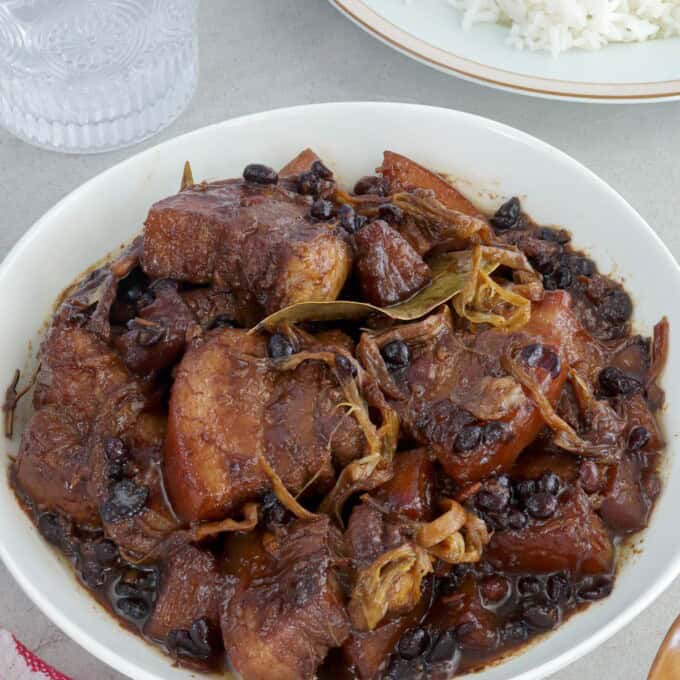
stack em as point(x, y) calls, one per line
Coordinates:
point(85, 76)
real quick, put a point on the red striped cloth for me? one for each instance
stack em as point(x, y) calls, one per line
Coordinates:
point(19, 663)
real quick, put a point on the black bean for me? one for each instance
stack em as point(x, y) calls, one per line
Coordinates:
point(396, 354)
point(127, 499)
point(106, 551)
point(322, 210)
point(525, 488)
point(488, 501)
point(116, 450)
point(445, 647)
point(493, 432)
point(360, 221)
point(559, 279)
point(145, 300)
point(52, 529)
point(550, 482)
point(541, 616)
point(508, 215)
point(504, 481)
point(616, 307)
point(179, 641)
point(273, 512)
point(403, 669)
point(468, 438)
point(514, 631)
point(124, 589)
point(517, 520)
point(200, 636)
point(133, 608)
point(132, 287)
point(638, 438)
point(558, 588)
point(596, 588)
point(551, 362)
point(448, 585)
point(260, 174)
point(222, 321)
point(278, 346)
point(494, 588)
point(345, 366)
point(413, 643)
point(308, 184)
point(541, 505)
point(544, 263)
point(115, 470)
point(529, 585)
point(495, 496)
point(134, 293)
point(560, 236)
point(321, 171)
point(147, 580)
point(581, 266)
point(370, 184)
point(93, 574)
point(541, 356)
point(348, 218)
point(613, 381)
point(531, 354)
point(392, 214)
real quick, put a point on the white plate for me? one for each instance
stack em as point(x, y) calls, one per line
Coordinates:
point(496, 161)
point(430, 31)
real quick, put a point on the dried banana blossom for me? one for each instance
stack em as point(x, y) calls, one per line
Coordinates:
point(390, 585)
point(375, 468)
point(565, 436)
point(484, 300)
point(445, 228)
point(456, 536)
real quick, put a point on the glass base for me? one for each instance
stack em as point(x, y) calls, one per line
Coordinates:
point(105, 135)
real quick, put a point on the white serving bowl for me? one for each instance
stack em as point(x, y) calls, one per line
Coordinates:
point(494, 161)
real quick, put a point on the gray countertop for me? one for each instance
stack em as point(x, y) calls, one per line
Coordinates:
point(258, 55)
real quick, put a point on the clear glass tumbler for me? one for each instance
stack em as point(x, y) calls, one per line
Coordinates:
point(84, 76)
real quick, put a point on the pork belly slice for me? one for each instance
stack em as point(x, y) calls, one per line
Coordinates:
point(454, 394)
point(574, 539)
point(186, 615)
point(257, 241)
point(230, 406)
point(84, 394)
point(387, 269)
point(282, 620)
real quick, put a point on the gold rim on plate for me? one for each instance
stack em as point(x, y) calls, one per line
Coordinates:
point(372, 22)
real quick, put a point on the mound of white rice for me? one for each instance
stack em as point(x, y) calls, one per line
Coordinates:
point(559, 25)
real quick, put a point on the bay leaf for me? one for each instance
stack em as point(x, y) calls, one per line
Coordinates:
point(450, 271)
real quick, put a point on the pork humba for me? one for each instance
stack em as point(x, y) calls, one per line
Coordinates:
point(300, 431)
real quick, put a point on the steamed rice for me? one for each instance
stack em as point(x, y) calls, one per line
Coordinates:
point(559, 25)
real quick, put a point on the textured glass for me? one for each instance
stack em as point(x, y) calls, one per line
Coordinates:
point(93, 75)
